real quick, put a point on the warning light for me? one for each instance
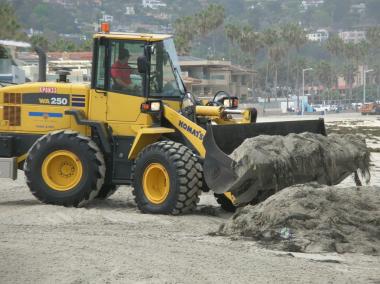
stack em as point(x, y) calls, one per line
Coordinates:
point(105, 27)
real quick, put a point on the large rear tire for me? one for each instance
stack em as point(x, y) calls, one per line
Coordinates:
point(65, 168)
point(167, 179)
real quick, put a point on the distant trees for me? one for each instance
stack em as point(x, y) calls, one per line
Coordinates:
point(246, 39)
point(60, 44)
point(335, 45)
point(50, 16)
point(352, 55)
point(295, 37)
point(189, 28)
point(288, 41)
point(40, 41)
point(276, 50)
point(373, 39)
point(277, 43)
point(10, 27)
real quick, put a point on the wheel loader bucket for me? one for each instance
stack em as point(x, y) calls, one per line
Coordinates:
point(221, 140)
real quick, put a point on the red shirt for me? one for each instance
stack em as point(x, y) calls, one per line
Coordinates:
point(121, 71)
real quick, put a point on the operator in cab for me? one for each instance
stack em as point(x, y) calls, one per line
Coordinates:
point(121, 71)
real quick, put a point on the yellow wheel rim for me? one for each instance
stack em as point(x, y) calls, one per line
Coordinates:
point(62, 170)
point(156, 183)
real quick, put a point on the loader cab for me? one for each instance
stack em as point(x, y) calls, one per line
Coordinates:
point(120, 82)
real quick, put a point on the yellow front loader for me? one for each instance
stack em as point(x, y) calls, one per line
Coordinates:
point(134, 125)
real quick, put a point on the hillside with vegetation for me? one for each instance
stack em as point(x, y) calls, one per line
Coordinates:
point(268, 36)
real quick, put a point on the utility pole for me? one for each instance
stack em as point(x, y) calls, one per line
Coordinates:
point(365, 83)
point(303, 85)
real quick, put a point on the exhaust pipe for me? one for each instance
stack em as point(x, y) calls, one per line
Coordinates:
point(41, 64)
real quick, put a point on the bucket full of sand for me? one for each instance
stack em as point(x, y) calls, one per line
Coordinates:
point(266, 164)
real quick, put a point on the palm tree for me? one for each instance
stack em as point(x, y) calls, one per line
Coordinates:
point(232, 32)
point(326, 76)
point(294, 36)
point(355, 54)
point(335, 45)
point(10, 28)
point(269, 39)
point(376, 74)
point(349, 73)
point(276, 51)
point(246, 38)
point(184, 31)
point(276, 54)
point(209, 19)
point(250, 42)
point(199, 25)
point(373, 37)
point(296, 71)
point(40, 41)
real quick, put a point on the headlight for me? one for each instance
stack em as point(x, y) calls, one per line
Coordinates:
point(151, 106)
point(227, 103)
point(155, 106)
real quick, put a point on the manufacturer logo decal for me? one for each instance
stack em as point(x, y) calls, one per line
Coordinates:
point(48, 90)
point(192, 131)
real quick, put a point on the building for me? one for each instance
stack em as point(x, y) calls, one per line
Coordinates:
point(352, 36)
point(307, 4)
point(358, 79)
point(358, 8)
point(210, 76)
point(106, 18)
point(158, 15)
point(130, 10)
point(79, 64)
point(11, 73)
point(318, 36)
point(153, 4)
point(71, 3)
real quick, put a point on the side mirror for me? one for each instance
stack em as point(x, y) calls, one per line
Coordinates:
point(142, 64)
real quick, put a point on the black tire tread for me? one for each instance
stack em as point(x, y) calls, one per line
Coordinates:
point(98, 160)
point(189, 171)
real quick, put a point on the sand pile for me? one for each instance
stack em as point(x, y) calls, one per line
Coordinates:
point(312, 218)
point(271, 163)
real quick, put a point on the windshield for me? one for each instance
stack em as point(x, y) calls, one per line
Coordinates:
point(165, 79)
point(170, 49)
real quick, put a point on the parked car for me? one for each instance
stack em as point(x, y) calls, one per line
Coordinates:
point(321, 108)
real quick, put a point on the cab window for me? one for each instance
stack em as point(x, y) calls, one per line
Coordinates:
point(124, 77)
point(100, 64)
point(163, 82)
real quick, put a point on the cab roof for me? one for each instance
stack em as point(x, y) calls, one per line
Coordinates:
point(133, 36)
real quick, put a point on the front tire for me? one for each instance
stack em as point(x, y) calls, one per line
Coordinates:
point(65, 168)
point(168, 179)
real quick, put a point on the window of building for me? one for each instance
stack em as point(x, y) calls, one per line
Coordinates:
point(217, 77)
